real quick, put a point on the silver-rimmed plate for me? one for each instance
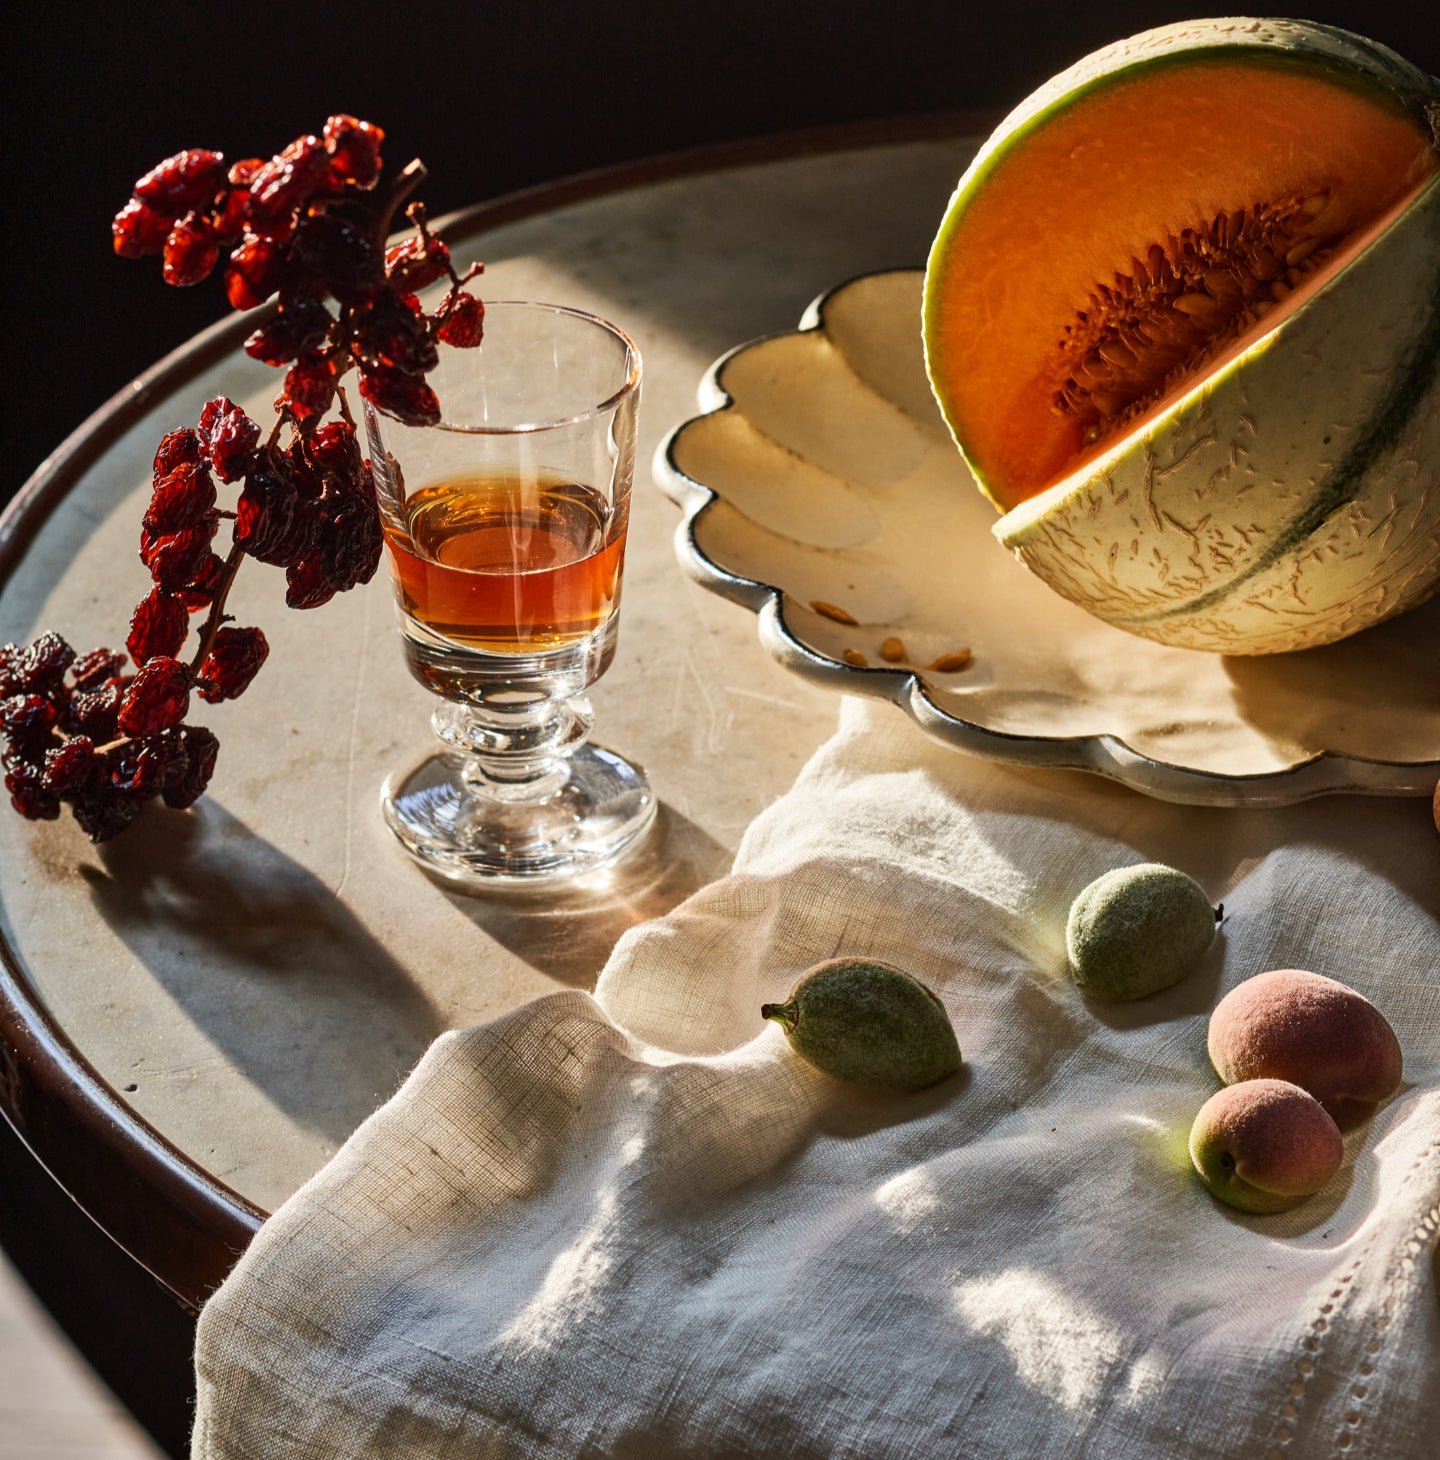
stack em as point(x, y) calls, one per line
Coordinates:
point(821, 490)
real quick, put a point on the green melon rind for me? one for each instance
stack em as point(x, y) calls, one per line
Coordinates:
point(1245, 518)
point(1350, 58)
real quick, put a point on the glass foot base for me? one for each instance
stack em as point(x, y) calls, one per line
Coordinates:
point(604, 806)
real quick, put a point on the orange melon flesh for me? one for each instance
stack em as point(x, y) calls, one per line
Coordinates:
point(1071, 202)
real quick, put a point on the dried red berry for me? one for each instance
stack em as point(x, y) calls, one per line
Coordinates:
point(95, 712)
point(228, 218)
point(306, 524)
point(352, 542)
point(102, 813)
point(158, 627)
point(158, 697)
point(41, 667)
point(263, 516)
point(191, 766)
point(204, 583)
point(178, 558)
point(138, 230)
point(180, 500)
point(309, 388)
point(229, 437)
point(335, 452)
point(234, 660)
point(68, 767)
point(177, 448)
point(354, 148)
point(295, 328)
point(29, 796)
point(307, 585)
point(93, 669)
point(304, 472)
point(257, 266)
point(27, 719)
point(342, 253)
point(406, 397)
point(285, 183)
point(187, 181)
point(417, 262)
point(191, 251)
point(138, 768)
point(244, 172)
point(388, 336)
point(463, 324)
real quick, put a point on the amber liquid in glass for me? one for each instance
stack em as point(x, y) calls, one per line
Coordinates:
point(507, 567)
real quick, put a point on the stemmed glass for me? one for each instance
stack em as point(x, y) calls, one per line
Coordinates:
point(505, 527)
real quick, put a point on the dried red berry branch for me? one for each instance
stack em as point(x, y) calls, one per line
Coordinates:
point(308, 229)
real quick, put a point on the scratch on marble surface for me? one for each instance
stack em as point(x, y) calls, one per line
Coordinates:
point(680, 711)
point(755, 694)
point(185, 1071)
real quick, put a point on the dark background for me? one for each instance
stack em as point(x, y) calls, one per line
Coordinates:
point(493, 94)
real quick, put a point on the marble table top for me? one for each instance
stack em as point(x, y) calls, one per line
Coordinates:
point(253, 978)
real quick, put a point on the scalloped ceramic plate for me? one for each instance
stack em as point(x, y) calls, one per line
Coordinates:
point(820, 472)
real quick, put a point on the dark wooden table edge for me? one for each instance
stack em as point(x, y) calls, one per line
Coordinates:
point(179, 1223)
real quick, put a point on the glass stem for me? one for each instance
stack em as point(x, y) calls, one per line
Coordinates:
point(515, 746)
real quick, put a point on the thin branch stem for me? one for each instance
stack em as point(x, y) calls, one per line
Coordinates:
point(401, 186)
point(216, 616)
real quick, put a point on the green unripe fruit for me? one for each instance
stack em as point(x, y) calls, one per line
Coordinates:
point(868, 1023)
point(1137, 930)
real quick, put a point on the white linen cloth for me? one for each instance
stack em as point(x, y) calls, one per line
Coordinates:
point(635, 1225)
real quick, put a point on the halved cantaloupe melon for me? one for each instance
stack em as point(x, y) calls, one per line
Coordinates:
point(1183, 318)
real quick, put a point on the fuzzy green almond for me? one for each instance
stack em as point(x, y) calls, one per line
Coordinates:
point(868, 1023)
point(1137, 930)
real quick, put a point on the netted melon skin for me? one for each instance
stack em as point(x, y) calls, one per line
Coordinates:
point(1291, 500)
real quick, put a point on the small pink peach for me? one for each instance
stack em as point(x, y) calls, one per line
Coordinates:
point(1264, 1145)
point(1291, 1025)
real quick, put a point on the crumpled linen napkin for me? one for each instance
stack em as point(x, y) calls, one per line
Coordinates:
point(634, 1225)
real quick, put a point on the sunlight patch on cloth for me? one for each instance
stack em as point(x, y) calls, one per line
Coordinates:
point(574, 1281)
point(910, 1198)
point(1059, 1346)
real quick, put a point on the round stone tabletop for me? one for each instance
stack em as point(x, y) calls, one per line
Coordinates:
point(212, 1002)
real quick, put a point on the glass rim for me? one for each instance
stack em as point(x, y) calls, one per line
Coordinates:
point(630, 385)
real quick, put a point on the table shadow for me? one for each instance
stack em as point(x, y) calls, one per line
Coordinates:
point(260, 955)
point(568, 933)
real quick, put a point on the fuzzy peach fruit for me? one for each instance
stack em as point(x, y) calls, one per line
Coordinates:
point(1291, 1025)
point(1264, 1145)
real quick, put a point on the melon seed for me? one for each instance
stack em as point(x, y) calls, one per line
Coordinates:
point(868, 1023)
point(829, 610)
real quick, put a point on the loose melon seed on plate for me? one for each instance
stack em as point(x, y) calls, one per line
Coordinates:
point(868, 1023)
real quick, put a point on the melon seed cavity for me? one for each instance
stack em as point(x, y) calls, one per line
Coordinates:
point(1188, 298)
